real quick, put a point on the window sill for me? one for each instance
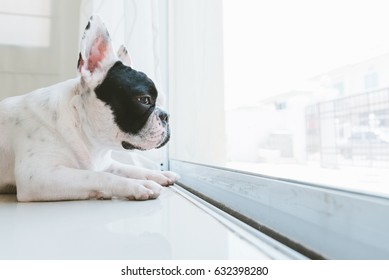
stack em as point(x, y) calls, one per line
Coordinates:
point(175, 226)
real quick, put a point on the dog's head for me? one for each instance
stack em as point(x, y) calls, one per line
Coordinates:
point(130, 94)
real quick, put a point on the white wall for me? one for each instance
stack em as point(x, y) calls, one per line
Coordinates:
point(23, 69)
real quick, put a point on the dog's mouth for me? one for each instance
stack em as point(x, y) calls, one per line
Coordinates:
point(129, 146)
point(165, 140)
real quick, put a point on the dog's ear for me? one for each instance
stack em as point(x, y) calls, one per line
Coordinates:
point(124, 56)
point(96, 53)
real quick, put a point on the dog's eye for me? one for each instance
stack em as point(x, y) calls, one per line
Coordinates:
point(145, 100)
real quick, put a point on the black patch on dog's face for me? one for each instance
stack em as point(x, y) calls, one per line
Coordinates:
point(126, 91)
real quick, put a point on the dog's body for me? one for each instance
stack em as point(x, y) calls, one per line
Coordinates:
point(56, 142)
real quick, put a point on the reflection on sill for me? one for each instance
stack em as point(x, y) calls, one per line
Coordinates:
point(170, 227)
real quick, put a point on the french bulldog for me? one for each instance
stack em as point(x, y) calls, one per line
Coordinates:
point(56, 142)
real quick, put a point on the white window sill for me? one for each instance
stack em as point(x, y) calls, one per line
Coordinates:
point(175, 226)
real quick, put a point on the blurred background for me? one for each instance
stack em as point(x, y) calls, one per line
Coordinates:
point(38, 43)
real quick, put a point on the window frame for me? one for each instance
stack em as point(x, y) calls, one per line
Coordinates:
point(320, 222)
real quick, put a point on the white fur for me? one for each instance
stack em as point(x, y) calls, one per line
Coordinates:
point(56, 142)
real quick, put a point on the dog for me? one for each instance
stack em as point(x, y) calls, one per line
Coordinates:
point(56, 142)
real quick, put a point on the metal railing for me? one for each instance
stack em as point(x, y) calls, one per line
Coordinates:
point(350, 131)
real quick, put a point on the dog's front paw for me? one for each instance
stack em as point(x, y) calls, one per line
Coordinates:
point(144, 189)
point(164, 178)
point(172, 176)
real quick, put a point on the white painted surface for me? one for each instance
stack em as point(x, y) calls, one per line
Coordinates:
point(171, 227)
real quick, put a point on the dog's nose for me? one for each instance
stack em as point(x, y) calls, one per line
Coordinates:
point(164, 117)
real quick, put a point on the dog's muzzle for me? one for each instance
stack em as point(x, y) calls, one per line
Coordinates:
point(164, 118)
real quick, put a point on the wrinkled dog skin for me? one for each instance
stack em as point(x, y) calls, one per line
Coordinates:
point(56, 142)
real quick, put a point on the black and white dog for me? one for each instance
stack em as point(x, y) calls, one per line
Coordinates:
point(56, 142)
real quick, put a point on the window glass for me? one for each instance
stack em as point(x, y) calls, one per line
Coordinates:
point(293, 89)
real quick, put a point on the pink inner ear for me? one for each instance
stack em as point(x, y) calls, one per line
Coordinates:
point(97, 53)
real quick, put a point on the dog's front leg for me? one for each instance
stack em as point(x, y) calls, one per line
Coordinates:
point(62, 183)
point(164, 178)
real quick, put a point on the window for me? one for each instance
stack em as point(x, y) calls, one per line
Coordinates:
point(280, 105)
point(27, 23)
point(248, 70)
point(339, 86)
point(371, 80)
point(38, 44)
point(302, 171)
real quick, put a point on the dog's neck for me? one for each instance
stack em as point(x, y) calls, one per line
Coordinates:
point(94, 120)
